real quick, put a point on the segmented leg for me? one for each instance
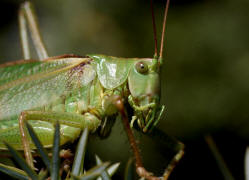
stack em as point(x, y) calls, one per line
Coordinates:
point(171, 143)
point(173, 163)
point(27, 16)
point(141, 171)
point(140, 120)
point(65, 118)
point(23, 35)
point(26, 145)
point(152, 123)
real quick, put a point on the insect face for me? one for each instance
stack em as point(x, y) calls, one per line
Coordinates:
point(144, 86)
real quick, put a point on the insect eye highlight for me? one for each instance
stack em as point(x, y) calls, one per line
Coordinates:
point(142, 67)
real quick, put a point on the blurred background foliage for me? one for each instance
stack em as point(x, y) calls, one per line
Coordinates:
point(204, 78)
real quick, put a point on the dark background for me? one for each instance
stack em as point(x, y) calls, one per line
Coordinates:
point(204, 78)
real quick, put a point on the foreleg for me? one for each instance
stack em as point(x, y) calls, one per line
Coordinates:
point(141, 171)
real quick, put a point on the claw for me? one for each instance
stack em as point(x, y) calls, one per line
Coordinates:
point(141, 171)
point(134, 118)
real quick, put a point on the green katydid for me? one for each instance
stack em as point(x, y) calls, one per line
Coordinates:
point(78, 92)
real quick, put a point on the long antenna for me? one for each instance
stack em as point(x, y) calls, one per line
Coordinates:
point(154, 28)
point(163, 30)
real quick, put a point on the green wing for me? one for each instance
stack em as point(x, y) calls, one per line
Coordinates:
point(32, 84)
point(23, 68)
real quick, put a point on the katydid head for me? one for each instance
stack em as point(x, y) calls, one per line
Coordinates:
point(144, 83)
point(142, 78)
point(144, 87)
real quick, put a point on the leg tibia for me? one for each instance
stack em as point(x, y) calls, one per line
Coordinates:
point(24, 35)
point(27, 14)
point(65, 118)
point(74, 123)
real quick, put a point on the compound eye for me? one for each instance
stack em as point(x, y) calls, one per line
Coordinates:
point(142, 67)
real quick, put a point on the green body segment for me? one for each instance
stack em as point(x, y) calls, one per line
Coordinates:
point(73, 90)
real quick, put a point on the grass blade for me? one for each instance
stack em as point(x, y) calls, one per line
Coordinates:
point(219, 159)
point(94, 172)
point(113, 169)
point(56, 151)
point(129, 170)
point(39, 146)
point(21, 162)
point(104, 174)
point(43, 174)
point(80, 154)
point(247, 164)
point(13, 172)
